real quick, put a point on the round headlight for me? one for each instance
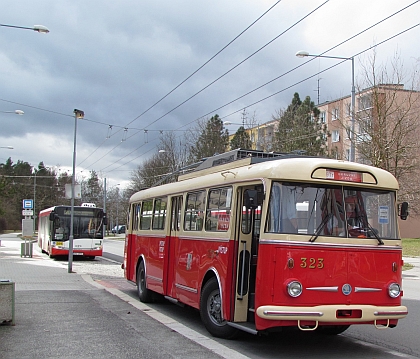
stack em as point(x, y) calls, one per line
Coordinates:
point(394, 290)
point(294, 289)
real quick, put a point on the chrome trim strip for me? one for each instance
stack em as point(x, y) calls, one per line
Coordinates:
point(324, 289)
point(394, 312)
point(366, 290)
point(155, 278)
point(202, 239)
point(291, 314)
point(188, 289)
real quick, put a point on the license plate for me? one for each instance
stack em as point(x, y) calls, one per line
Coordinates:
point(58, 243)
point(77, 254)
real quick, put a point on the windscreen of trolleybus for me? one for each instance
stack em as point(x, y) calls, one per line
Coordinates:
point(297, 208)
point(86, 224)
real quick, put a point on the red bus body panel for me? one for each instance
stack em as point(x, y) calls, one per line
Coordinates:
point(323, 271)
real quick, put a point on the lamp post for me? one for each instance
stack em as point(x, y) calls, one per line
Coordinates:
point(353, 97)
point(8, 147)
point(78, 114)
point(38, 28)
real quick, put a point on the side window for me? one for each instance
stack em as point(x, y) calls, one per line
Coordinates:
point(159, 213)
point(194, 211)
point(136, 216)
point(218, 209)
point(146, 214)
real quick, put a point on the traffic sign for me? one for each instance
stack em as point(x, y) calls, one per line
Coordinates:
point(28, 203)
point(27, 212)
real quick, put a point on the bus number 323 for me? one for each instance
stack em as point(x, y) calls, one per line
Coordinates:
point(312, 263)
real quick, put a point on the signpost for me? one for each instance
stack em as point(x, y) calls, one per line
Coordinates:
point(27, 227)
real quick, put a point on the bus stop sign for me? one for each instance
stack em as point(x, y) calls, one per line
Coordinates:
point(28, 203)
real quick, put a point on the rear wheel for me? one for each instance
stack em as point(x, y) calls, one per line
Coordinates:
point(145, 295)
point(211, 311)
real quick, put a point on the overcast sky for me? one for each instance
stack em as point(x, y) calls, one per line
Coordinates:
point(116, 59)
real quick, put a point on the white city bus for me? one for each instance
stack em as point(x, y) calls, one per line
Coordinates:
point(54, 230)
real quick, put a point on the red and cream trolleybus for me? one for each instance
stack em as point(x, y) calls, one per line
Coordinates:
point(54, 230)
point(258, 241)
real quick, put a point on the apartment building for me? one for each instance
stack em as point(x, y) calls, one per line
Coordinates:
point(379, 108)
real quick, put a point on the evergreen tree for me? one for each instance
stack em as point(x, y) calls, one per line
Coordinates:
point(212, 139)
point(299, 129)
point(241, 139)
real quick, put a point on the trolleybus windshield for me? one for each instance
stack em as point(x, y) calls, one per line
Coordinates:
point(315, 210)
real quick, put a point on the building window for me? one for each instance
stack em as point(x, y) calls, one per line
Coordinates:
point(335, 136)
point(322, 117)
point(335, 114)
point(348, 109)
point(365, 102)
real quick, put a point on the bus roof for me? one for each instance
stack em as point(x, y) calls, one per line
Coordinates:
point(292, 168)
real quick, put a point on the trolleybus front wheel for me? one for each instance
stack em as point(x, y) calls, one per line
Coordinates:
point(211, 312)
point(145, 295)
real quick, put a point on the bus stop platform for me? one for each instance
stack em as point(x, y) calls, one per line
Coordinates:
point(63, 315)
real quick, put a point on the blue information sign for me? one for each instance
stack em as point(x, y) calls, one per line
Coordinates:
point(28, 203)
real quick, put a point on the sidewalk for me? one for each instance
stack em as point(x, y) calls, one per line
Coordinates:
point(69, 315)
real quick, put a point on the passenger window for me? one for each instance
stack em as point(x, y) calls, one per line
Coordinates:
point(146, 214)
point(194, 212)
point(218, 209)
point(159, 213)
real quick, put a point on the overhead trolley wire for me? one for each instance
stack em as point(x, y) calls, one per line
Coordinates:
point(199, 68)
point(307, 78)
point(237, 65)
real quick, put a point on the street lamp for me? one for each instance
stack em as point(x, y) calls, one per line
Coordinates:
point(16, 112)
point(38, 28)
point(78, 114)
point(8, 147)
point(353, 95)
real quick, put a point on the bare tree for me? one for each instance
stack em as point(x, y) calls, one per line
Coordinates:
point(170, 156)
point(387, 124)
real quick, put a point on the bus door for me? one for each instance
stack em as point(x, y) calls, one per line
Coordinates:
point(170, 261)
point(247, 236)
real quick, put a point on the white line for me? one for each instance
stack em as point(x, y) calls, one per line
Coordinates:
point(189, 333)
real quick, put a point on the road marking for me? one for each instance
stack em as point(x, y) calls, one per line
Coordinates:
point(189, 333)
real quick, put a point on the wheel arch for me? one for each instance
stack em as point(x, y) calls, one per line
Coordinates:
point(213, 273)
point(140, 260)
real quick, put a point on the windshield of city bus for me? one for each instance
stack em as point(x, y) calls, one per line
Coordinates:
point(86, 224)
point(331, 211)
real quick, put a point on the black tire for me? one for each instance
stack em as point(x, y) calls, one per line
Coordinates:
point(145, 295)
point(332, 329)
point(211, 314)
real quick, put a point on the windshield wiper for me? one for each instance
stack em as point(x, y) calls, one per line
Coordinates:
point(320, 228)
point(364, 219)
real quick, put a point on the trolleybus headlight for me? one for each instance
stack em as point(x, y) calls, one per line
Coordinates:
point(294, 288)
point(394, 290)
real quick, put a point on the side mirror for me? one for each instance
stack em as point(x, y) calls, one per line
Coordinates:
point(105, 221)
point(404, 210)
point(52, 216)
point(251, 199)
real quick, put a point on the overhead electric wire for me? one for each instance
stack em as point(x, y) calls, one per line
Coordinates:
point(198, 69)
point(305, 79)
point(230, 70)
point(303, 64)
point(238, 64)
